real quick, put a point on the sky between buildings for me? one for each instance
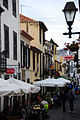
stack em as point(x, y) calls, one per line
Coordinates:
point(50, 12)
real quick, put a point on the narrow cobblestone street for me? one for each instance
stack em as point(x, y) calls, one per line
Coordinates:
point(57, 113)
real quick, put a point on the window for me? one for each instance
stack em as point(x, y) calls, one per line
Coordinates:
point(34, 61)
point(14, 45)
point(43, 38)
point(25, 56)
point(29, 57)
point(14, 7)
point(55, 51)
point(40, 35)
point(6, 40)
point(37, 62)
point(22, 45)
point(5, 3)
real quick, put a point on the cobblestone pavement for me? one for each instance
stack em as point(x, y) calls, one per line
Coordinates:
point(57, 113)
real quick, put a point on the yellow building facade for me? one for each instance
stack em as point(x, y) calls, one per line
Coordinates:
point(37, 30)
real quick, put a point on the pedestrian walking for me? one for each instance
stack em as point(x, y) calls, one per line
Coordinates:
point(63, 98)
point(71, 99)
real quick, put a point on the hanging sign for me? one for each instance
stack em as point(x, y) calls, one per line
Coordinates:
point(10, 71)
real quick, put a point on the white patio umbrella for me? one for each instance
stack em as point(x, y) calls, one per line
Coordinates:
point(50, 82)
point(2, 82)
point(16, 87)
point(64, 80)
point(26, 88)
point(8, 89)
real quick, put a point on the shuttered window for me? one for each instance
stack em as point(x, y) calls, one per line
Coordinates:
point(29, 57)
point(40, 35)
point(14, 45)
point(26, 58)
point(14, 7)
point(22, 53)
point(6, 40)
point(5, 3)
point(37, 62)
point(55, 50)
point(25, 55)
point(34, 61)
point(43, 38)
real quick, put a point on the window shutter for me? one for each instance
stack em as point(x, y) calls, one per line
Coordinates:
point(28, 57)
point(6, 40)
point(14, 45)
point(40, 35)
point(22, 45)
point(37, 62)
point(5, 3)
point(34, 61)
point(23, 55)
point(43, 38)
point(14, 7)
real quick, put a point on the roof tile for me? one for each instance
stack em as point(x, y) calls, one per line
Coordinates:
point(26, 19)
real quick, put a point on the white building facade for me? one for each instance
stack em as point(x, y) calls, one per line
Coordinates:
point(10, 38)
point(10, 33)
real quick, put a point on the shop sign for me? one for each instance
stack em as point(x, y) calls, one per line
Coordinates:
point(10, 71)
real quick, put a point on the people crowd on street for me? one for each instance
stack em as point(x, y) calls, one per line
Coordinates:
point(41, 103)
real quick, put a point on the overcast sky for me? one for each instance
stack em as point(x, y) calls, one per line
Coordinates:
point(50, 12)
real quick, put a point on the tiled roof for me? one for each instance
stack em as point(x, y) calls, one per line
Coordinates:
point(26, 19)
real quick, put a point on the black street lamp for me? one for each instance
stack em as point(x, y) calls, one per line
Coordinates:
point(70, 12)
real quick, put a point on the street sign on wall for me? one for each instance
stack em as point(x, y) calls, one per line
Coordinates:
point(10, 71)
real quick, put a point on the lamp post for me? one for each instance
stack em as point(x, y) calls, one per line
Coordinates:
point(70, 12)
